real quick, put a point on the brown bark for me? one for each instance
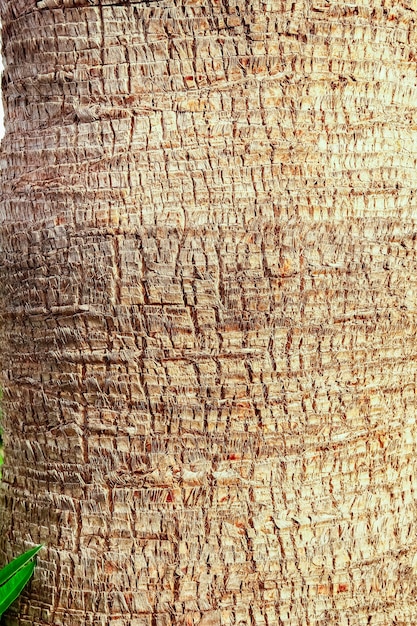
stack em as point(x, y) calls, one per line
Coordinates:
point(208, 268)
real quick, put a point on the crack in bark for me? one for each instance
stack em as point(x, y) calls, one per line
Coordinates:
point(70, 4)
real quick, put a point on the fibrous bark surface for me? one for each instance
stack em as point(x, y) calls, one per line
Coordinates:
point(208, 271)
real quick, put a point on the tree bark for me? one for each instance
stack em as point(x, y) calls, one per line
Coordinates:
point(208, 282)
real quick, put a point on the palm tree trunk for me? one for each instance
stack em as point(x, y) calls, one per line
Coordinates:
point(208, 273)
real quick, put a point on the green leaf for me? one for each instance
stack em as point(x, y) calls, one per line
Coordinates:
point(12, 589)
point(15, 565)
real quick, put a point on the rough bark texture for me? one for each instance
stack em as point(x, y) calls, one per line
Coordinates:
point(208, 271)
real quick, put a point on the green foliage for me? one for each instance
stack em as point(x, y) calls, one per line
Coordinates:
point(15, 575)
